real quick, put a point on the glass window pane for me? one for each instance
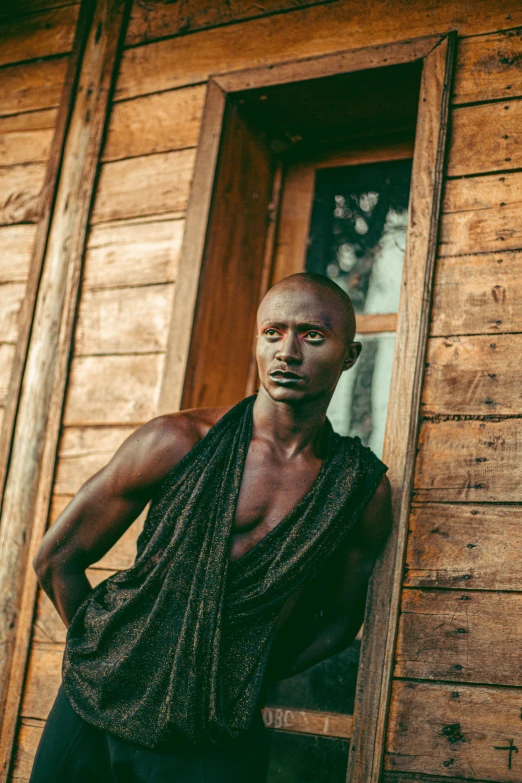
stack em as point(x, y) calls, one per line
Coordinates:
point(358, 231)
point(360, 401)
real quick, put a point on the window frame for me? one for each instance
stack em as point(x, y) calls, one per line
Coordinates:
point(383, 604)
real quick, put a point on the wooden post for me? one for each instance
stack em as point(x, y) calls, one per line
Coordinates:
point(36, 429)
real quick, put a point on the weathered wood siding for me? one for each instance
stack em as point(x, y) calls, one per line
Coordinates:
point(458, 641)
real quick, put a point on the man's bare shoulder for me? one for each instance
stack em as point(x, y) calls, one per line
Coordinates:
point(148, 455)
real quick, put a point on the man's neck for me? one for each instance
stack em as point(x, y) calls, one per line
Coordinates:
point(292, 427)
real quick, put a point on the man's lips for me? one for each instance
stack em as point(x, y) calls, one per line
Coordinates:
point(285, 375)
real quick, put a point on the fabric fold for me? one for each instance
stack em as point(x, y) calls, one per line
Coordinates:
point(177, 644)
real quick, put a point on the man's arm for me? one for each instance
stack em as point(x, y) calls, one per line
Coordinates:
point(344, 584)
point(106, 505)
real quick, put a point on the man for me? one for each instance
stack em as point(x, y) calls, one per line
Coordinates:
point(252, 566)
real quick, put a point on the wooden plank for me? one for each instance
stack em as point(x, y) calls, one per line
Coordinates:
point(217, 369)
point(16, 244)
point(162, 18)
point(38, 35)
point(31, 6)
point(45, 340)
point(473, 375)
point(123, 320)
point(382, 609)
point(324, 724)
point(32, 86)
point(464, 546)
point(11, 295)
point(462, 636)
point(43, 679)
point(113, 389)
point(20, 188)
point(150, 185)
point(123, 553)
point(481, 215)
point(29, 146)
point(115, 253)
point(375, 323)
point(276, 39)
point(418, 777)
point(155, 123)
point(294, 220)
point(44, 119)
point(48, 627)
point(470, 460)
point(6, 364)
point(488, 67)
point(184, 306)
point(82, 452)
point(27, 740)
point(474, 152)
point(454, 730)
point(476, 294)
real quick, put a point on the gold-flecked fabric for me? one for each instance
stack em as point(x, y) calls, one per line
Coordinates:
point(177, 644)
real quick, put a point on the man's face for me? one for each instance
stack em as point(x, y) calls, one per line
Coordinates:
point(302, 346)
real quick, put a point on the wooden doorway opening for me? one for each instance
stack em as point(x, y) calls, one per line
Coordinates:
point(266, 135)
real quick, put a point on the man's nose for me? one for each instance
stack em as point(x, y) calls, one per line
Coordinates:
point(289, 349)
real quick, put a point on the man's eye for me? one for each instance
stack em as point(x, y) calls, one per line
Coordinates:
point(315, 335)
point(270, 332)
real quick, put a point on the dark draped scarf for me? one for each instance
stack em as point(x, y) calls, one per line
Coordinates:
point(178, 643)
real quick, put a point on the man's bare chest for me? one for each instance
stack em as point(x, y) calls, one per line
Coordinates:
point(270, 489)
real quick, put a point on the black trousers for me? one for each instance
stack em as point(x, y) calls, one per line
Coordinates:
point(73, 751)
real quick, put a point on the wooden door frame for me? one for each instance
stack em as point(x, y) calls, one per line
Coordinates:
point(382, 610)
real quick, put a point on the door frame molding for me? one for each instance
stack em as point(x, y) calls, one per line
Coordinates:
point(382, 610)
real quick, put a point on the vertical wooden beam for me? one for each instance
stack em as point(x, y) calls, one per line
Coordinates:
point(192, 251)
point(31, 465)
point(382, 609)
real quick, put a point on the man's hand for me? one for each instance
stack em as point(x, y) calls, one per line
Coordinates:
point(107, 504)
point(343, 586)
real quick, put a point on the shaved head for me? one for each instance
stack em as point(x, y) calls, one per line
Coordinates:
point(323, 286)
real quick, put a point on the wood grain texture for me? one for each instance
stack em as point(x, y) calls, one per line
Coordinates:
point(26, 138)
point(123, 552)
point(11, 296)
point(130, 253)
point(32, 86)
point(155, 123)
point(473, 375)
point(157, 19)
point(481, 215)
point(460, 636)
point(28, 737)
point(20, 7)
point(48, 627)
point(6, 364)
point(43, 679)
point(474, 152)
point(20, 189)
point(218, 364)
point(464, 545)
point(38, 35)
point(150, 185)
point(16, 244)
point(113, 389)
point(477, 294)
point(470, 460)
point(382, 609)
point(82, 451)
point(324, 724)
point(45, 341)
point(488, 67)
point(454, 730)
point(123, 320)
point(294, 220)
point(275, 39)
point(185, 295)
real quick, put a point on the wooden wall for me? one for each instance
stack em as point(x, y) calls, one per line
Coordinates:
point(454, 699)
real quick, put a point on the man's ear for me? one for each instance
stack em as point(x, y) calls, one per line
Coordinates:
point(354, 349)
